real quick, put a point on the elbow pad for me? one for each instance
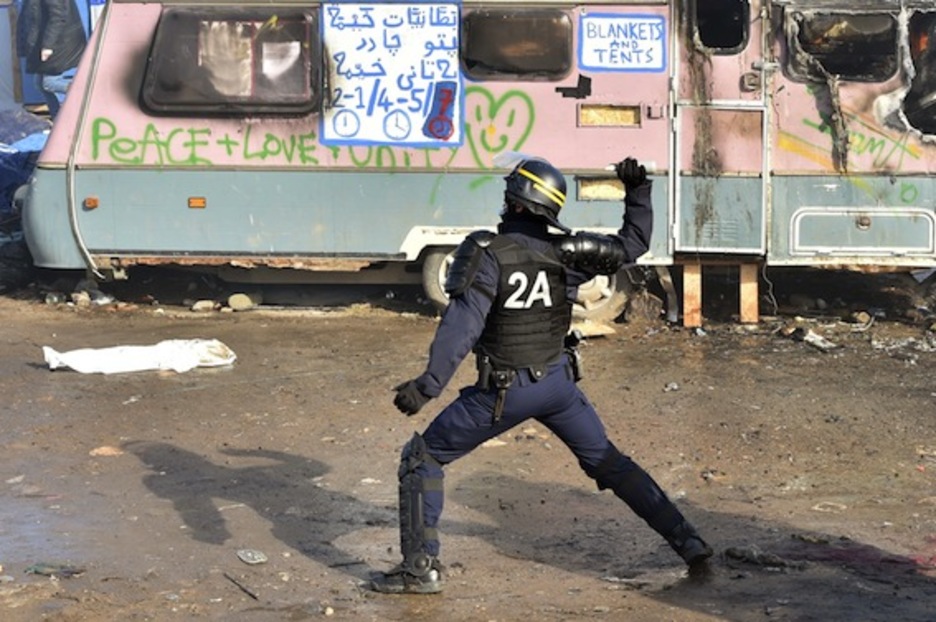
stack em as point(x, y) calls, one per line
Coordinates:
point(592, 252)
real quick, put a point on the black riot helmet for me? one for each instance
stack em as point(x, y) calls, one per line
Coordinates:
point(540, 188)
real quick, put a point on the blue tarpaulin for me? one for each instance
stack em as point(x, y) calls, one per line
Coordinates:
point(15, 169)
point(22, 137)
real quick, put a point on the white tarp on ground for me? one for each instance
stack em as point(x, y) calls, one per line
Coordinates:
point(179, 355)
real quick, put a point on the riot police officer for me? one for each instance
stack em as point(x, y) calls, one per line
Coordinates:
point(511, 299)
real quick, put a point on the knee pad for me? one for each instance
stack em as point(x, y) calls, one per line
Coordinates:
point(612, 469)
point(634, 486)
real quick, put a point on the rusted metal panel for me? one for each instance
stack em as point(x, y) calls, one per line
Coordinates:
point(324, 264)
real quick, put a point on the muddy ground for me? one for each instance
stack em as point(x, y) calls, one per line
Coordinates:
point(812, 472)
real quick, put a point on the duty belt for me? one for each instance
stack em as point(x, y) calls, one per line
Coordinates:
point(502, 379)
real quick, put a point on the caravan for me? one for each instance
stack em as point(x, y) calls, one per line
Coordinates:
point(295, 141)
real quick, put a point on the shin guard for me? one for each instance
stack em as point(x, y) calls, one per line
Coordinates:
point(418, 543)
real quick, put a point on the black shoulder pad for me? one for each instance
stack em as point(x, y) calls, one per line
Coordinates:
point(482, 238)
point(465, 262)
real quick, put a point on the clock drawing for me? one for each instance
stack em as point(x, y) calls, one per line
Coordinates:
point(397, 125)
point(346, 123)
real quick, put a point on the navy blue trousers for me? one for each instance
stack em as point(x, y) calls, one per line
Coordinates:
point(556, 402)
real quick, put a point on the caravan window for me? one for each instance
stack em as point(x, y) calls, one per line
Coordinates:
point(521, 44)
point(722, 25)
point(856, 47)
point(227, 61)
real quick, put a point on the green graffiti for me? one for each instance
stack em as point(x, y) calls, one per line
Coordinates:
point(179, 146)
point(867, 140)
point(391, 158)
point(292, 148)
point(909, 193)
point(493, 126)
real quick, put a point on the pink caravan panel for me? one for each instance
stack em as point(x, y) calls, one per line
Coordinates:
point(877, 141)
point(529, 117)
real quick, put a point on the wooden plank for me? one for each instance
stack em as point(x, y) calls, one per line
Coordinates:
point(692, 295)
point(749, 293)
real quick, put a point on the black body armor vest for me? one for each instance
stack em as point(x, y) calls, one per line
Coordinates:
point(530, 316)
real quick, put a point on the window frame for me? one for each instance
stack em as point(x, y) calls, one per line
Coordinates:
point(720, 51)
point(796, 69)
point(167, 37)
point(495, 12)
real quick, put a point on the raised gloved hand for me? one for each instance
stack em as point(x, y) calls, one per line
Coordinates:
point(409, 399)
point(631, 173)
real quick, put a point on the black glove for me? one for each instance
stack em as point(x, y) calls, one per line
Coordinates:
point(631, 173)
point(409, 399)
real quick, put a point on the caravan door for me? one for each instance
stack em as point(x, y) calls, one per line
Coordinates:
point(721, 162)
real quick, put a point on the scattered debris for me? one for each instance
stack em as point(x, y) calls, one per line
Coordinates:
point(241, 586)
point(54, 298)
point(807, 335)
point(712, 475)
point(245, 301)
point(59, 571)
point(252, 556)
point(922, 275)
point(894, 346)
point(829, 506)
point(203, 306)
point(926, 453)
point(106, 450)
point(863, 321)
point(812, 538)
point(634, 584)
point(753, 555)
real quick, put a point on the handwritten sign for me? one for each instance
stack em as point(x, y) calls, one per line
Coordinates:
point(617, 42)
point(394, 73)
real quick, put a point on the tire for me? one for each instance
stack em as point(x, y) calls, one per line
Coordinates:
point(434, 270)
point(601, 300)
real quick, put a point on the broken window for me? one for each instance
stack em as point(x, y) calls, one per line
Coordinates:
point(859, 47)
point(920, 101)
point(523, 44)
point(233, 62)
point(722, 25)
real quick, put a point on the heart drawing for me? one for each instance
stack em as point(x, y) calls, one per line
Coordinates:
point(494, 125)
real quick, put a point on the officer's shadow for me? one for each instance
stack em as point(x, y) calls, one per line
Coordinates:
point(760, 568)
point(805, 577)
point(281, 489)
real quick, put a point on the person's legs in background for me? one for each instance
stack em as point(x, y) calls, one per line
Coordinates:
point(53, 89)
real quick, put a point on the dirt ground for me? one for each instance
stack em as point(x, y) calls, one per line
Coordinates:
point(812, 472)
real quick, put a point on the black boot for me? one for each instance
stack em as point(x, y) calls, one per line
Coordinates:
point(689, 545)
point(407, 579)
